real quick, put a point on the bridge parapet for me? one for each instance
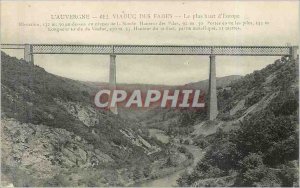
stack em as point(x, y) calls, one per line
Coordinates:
point(156, 49)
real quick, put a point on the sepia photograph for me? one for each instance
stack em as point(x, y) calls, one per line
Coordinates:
point(149, 93)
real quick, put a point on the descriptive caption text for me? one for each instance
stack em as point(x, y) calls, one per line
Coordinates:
point(129, 22)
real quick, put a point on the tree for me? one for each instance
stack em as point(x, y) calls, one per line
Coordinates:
point(252, 170)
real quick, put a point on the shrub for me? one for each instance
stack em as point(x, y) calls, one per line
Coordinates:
point(252, 170)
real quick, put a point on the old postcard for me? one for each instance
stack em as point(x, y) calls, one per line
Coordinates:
point(149, 93)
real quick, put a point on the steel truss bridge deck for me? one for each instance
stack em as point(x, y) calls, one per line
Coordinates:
point(153, 49)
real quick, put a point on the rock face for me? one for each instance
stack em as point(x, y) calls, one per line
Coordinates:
point(89, 117)
point(140, 142)
point(46, 151)
point(86, 114)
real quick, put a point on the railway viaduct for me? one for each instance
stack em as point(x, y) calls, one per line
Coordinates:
point(114, 50)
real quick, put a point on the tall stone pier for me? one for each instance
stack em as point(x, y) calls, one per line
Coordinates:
point(28, 55)
point(293, 52)
point(112, 79)
point(212, 91)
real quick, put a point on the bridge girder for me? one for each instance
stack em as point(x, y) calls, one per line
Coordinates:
point(155, 49)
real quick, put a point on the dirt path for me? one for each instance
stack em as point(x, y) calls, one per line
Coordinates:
point(170, 180)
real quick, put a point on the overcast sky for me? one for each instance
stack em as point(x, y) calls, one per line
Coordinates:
point(282, 15)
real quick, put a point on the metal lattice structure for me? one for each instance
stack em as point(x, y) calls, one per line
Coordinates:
point(154, 49)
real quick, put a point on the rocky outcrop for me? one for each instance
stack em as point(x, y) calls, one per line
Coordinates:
point(44, 151)
point(140, 142)
point(86, 114)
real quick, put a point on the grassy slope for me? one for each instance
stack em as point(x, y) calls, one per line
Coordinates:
point(29, 93)
point(263, 148)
